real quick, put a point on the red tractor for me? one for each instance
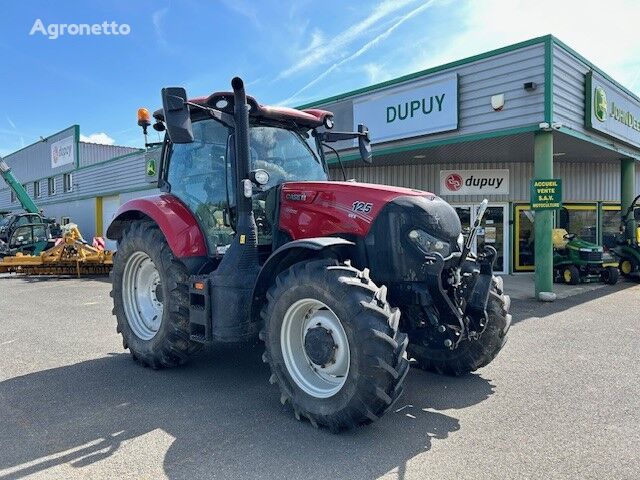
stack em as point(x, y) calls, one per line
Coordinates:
point(249, 238)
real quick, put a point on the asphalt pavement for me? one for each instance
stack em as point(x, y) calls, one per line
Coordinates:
point(562, 400)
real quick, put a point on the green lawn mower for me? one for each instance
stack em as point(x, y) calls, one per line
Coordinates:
point(628, 249)
point(576, 260)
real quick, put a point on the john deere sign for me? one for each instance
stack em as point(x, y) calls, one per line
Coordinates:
point(409, 111)
point(611, 111)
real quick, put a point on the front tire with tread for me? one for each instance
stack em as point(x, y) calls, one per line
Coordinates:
point(377, 365)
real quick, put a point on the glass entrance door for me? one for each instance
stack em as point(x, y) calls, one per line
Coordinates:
point(493, 231)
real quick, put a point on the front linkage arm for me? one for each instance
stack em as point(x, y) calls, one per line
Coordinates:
point(475, 312)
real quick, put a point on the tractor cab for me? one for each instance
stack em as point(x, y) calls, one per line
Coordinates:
point(198, 161)
point(13, 221)
point(30, 239)
point(200, 174)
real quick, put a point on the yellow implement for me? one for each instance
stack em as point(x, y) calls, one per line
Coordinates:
point(72, 256)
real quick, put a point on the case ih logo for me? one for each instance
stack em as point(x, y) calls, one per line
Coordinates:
point(296, 197)
point(454, 182)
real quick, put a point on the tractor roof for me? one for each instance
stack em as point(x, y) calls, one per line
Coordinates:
point(223, 101)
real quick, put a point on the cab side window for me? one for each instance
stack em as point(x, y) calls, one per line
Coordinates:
point(197, 176)
point(23, 220)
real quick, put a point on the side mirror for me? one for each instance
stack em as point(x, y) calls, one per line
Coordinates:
point(176, 114)
point(636, 214)
point(364, 144)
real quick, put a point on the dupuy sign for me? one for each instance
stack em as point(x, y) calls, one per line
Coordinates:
point(474, 182)
point(410, 110)
point(63, 152)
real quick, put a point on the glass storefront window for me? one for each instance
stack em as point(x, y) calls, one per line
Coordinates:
point(582, 220)
point(525, 236)
point(610, 225)
point(493, 233)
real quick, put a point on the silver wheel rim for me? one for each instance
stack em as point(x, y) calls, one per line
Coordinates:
point(143, 308)
point(316, 380)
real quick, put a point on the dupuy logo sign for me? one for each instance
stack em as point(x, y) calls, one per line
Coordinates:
point(63, 152)
point(474, 182)
point(600, 103)
point(453, 182)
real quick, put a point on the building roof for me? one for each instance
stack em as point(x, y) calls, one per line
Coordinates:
point(546, 39)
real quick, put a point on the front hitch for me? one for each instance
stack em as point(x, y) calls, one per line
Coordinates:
point(453, 323)
point(475, 312)
point(450, 316)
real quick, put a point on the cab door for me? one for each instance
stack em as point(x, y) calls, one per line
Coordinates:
point(196, 173)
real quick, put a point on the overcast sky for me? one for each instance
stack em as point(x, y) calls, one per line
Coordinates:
point(288, 52)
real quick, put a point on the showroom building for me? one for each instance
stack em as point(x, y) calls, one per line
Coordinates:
point(79, 182)
point(484, 126)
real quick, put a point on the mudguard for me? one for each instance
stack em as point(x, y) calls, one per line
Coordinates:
point(174, 219)
point(287, 255)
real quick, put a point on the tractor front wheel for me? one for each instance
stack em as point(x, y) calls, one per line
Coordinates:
point(151, 298)
point(333, 345)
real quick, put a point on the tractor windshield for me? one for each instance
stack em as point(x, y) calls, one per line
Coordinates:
point(201, 175)
point(285, 154)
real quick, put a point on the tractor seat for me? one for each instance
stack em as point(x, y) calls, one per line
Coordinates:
point(559, 240)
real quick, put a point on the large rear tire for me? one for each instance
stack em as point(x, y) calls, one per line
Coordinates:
point(470, 355)
point(151, 298)
point(333, 345)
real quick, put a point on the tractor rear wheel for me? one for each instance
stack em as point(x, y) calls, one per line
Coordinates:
point(431, 355)
point(333, 345)
point(151, 299)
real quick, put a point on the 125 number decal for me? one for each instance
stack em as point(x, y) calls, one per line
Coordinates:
point(362, 207)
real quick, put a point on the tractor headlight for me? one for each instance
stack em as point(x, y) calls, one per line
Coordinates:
point(428, 243)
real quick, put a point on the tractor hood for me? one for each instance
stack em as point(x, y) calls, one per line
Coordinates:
point(315, 209)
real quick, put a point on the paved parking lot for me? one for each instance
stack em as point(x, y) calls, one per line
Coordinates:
point(560, 401)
